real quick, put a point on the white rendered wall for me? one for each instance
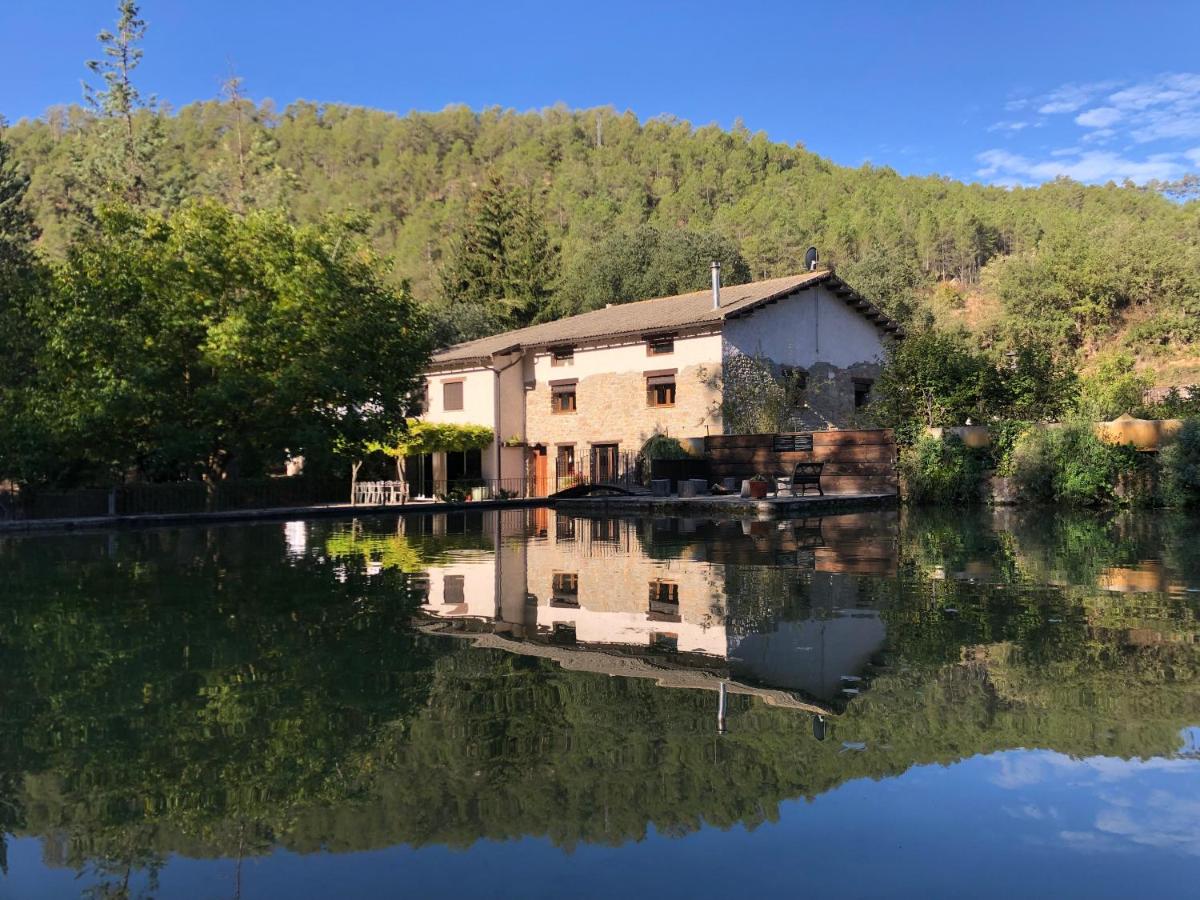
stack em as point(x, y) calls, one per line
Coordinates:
point(813, 326)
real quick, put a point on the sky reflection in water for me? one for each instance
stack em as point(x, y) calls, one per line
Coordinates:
point(1008, 704)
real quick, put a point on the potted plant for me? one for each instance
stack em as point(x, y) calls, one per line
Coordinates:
point(758, 486)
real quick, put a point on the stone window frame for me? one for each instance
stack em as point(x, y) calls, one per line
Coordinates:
point(657, 379)
point(462, 391)
point(565, 387)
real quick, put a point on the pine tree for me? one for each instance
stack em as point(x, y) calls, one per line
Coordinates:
point(504, 262)
point(247, 174)
point(115, 158)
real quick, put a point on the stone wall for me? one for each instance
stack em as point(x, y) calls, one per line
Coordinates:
point(758, 398)
point(611, 408)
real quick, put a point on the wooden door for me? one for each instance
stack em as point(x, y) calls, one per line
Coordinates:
point(539, 471)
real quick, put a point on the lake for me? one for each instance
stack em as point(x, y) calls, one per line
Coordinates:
point(529, 704)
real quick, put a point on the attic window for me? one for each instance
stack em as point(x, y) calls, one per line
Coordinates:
point(562, 356)
point(660, 345)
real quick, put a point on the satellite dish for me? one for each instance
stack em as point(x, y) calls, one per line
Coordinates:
point(810, 259)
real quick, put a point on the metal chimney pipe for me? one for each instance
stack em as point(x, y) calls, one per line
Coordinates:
point(716, 281)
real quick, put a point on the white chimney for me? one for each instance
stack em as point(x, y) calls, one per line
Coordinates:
point(716, 279)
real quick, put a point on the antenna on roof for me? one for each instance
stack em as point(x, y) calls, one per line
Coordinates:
point(810, 259)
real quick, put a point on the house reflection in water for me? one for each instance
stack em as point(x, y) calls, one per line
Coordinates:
point(773, 609)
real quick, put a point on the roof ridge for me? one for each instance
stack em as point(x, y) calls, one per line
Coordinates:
point(653, 314)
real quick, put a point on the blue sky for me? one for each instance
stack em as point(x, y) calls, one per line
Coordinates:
point(1006, 93)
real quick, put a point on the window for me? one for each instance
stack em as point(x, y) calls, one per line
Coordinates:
point(562, 356)
point(566, 459)
point(664, 601)
point(565, 589)
point(562, 397)
point(862, 392)
point(455, 594)
point(666, 641)
point(608, 530)
point(563, 633)
point(660, 345)
point(660, 390)
point(452, 395)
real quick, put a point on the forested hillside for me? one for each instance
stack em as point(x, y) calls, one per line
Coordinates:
point(497, 218)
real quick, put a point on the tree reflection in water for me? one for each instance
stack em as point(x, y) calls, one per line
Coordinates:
point(225, 691)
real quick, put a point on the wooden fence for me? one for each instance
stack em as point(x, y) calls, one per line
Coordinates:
point(856, 462)
point(172, 498)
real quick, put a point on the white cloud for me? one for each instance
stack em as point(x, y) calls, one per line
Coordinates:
point(1100, 117)
point(1008, 126)
point(1194, 155)
point(1134, 803)
point(1163, 90)
point(1092, 167)
point(1070, 97)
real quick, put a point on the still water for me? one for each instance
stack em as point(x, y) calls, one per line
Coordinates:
point(533, 705)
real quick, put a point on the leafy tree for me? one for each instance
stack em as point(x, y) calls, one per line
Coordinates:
point(1115, 387)
point(648, 262)
point(21, 278)
point(933, 378)
point(1035, 385)
point(205, 343)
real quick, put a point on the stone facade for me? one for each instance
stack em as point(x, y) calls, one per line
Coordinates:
point(612, 408)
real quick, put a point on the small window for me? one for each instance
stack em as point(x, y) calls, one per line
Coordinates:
point(660, 345)
point(452, 395)
point(562, 356)
point(862, 392)
point(665, 641)
point(660, 390)
point(565, 589)
point(664, 601)
point(562, 398)
point(455, 594)
point(563, 633)
point(606, 530)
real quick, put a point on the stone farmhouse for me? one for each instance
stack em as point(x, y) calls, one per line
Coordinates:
point(583, 394)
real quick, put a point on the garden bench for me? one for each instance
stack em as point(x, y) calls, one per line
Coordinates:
point(803, 475)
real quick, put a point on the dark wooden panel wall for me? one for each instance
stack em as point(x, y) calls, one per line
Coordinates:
point(856, 462)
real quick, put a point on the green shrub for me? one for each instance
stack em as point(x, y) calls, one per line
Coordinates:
point(1069, 465)
point(659, 446)
point(1180, 467)
point(941, 470)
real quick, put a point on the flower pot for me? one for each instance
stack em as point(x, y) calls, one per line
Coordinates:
point(758, 490)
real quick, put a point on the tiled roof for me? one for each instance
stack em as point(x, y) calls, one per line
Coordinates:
point(664, 314)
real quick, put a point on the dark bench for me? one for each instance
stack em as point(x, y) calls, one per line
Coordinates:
point(805, 474)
